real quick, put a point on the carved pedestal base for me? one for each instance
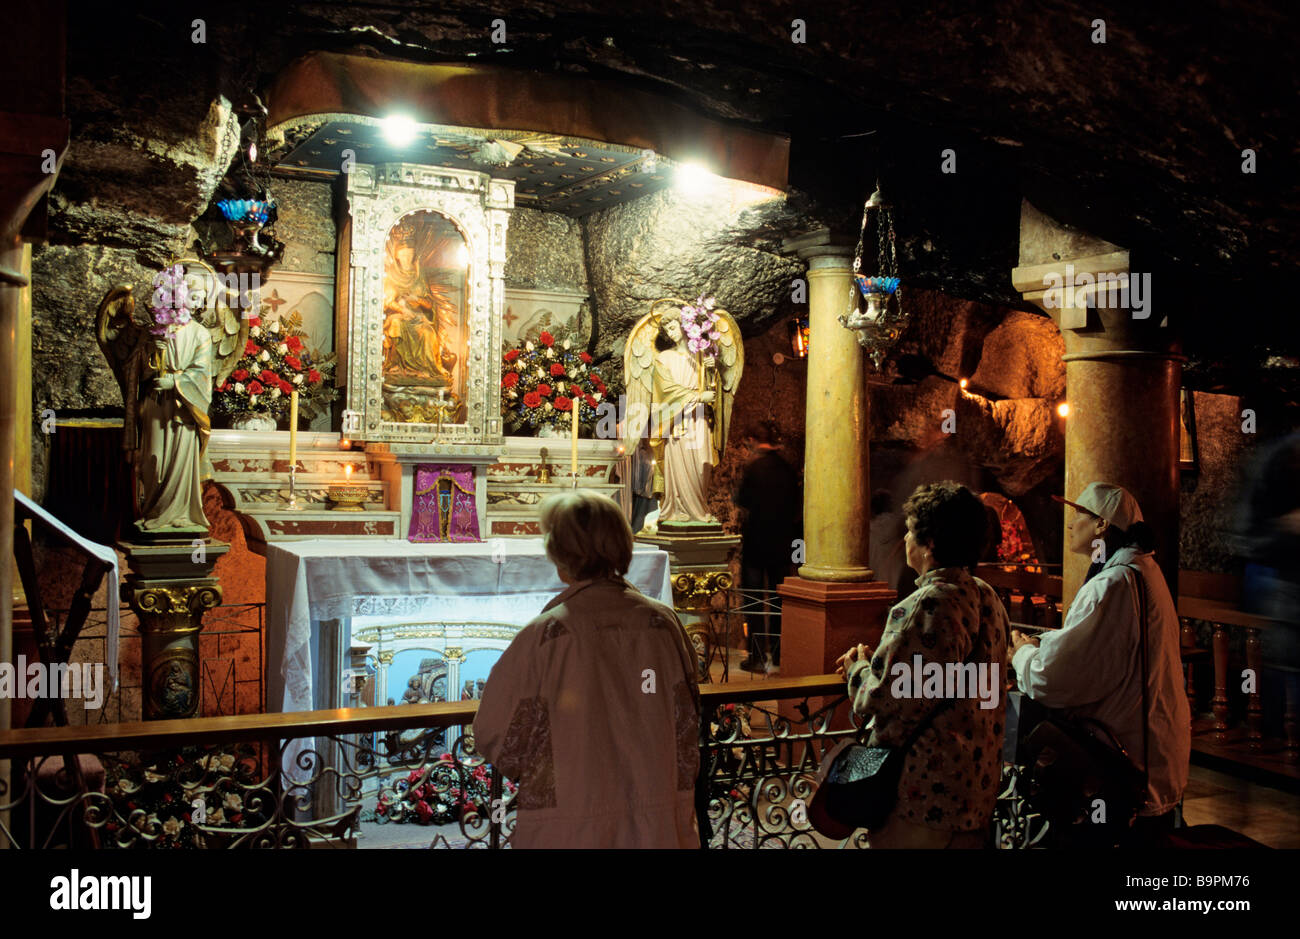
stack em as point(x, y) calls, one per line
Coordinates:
point(170, 586)
point(699, 569)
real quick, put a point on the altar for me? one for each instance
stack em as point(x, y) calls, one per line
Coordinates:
point(317, 591)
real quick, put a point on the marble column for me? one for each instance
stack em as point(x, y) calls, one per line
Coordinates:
point(836, 455)
point(834, 602)
point(1123, 373)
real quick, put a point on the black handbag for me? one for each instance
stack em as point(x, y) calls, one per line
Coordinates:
point(1079, 773)
point(859, 784)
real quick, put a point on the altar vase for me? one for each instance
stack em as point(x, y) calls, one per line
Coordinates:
point(594, 708)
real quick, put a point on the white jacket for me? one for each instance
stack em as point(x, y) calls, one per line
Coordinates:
point(1091, 666)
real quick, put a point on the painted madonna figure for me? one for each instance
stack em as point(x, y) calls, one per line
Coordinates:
point(164, 367)
point(682, 365)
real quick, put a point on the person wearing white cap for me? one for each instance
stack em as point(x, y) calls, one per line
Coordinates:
point(1092, 666)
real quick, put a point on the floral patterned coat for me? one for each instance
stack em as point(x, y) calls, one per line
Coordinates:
point(594, 711)
point(950, 778)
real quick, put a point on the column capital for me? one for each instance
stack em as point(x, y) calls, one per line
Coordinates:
point(823, 243)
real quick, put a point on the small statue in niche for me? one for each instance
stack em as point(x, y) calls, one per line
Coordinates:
point(164, 367)
point(682, 366)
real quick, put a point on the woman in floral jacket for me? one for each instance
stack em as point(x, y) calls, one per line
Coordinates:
point(940, 657)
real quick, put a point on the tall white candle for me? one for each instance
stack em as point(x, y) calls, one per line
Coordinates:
point(293, 429)
point(574, 459)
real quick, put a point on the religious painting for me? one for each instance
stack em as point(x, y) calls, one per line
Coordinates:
point(424, 321)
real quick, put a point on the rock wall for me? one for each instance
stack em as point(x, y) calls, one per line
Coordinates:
point(1004, 423)
point(305, 225)
point(1210, 492)
point(722, 244)
point(544, 251)
point(773, 388)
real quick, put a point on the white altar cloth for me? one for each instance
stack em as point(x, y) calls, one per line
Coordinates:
point(311, 581)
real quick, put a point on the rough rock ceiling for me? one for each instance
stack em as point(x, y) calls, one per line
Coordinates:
point(552, 174)
point(1137, 140)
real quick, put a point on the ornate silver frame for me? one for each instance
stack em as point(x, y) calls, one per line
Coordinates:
point(378, 196)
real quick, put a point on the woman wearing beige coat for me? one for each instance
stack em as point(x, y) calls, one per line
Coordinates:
point(594, 709)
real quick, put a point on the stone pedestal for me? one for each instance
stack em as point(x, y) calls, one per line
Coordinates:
point(170, 586)
point(822, 620)
point(700, 569)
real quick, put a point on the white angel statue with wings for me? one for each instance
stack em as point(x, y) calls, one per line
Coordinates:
point(165, 364)
point(682, 366)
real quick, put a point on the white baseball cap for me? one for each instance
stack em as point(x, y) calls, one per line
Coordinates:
point(1106, 500)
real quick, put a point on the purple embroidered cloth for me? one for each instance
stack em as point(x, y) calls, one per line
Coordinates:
point(445, 508)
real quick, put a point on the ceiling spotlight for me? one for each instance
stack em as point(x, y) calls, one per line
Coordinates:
point(399, 130)
point(1063, 409)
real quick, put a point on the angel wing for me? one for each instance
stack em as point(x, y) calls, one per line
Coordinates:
point(125, 344)
point(638, 374)
point(731, 364)
point(229, 332)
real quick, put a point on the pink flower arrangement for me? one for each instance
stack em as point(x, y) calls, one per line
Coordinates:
point(699, 323)
point(170, 303)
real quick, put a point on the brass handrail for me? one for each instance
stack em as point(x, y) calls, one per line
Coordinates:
point(197, 731)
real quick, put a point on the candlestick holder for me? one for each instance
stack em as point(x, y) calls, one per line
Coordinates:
point(293, 505)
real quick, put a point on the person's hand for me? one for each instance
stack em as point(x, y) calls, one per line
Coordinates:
point(710, 361)
point(166, 382)
point(859, 653)
point(1018, 639)
point(708, 397)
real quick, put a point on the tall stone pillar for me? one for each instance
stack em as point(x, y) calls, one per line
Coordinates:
point(1123, 373)
point(833, 603)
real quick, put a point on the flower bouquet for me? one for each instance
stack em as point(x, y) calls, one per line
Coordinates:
point(275, 363)
point(542, 382)
point(699, 323)
point(439, 794)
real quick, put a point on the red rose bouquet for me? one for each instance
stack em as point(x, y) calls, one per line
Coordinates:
point(276, 362)
point(541, 382)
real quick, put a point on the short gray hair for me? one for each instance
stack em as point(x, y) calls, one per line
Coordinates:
point(587, 534)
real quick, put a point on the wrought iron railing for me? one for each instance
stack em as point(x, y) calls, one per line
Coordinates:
point(352, 777)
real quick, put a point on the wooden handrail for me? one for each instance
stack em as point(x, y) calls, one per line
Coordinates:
point(243, 728)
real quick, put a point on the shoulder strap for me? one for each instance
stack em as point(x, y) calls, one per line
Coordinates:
point(1146, 712)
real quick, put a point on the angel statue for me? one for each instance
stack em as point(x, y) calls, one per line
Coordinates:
point(165, 366)
point(682, 366)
